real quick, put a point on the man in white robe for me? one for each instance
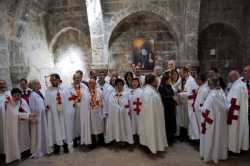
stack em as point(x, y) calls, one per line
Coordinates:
point(80, 102)
point(151, 121)
point(23, 85)
point(187, 98)
point(118, 125)
point(37, 104)
point(136, 104)
point(213, 141)
point(55, 97)
point(106, 89)
point(4, 94)
point(15, 112)
point(202, 94)
point(96, 113)
point(137, 73)
point(238, 114)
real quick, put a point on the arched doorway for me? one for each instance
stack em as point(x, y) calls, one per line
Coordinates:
point(220, 46)
point(147, 31)
point(69, 53)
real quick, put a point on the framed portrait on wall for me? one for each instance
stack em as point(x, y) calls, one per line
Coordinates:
point(143, 53)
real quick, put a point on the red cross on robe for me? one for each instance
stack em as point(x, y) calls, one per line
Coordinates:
point(231, 114)
point(207, 119)
point(193, 97)
point(21, 110)
point(137, 105)
point(127, 107)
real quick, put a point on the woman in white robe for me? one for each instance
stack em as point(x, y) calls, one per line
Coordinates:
point(151, 121)
point(213, 141)
point(118, 127)
point(135, 99)
point(15, 110)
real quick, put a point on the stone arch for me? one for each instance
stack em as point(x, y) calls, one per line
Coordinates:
point(144, 7)
point(155, 11)
point(226, 23)
point(221, 46)
point(58, 34)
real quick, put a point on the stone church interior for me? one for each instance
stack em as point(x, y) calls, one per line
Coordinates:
point(40, 37)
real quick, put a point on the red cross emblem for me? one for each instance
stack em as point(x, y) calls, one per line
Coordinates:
point(207, 119)
point(231, 115)
point(127, 107)
point(193, 96)
point(137, 105)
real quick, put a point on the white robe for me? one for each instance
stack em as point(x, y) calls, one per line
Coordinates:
point(38, 106)
point(135, 99)
point(96, 115)
point(69, 115)
point(3, 97)
point(82, 124)
point(238, 129)
point(151, 121)
point(11, 124)
point(200, 99)
point(187, 107)
point(24, 131)
point(107, 90)
point(56, 122)
point(118, 125)
point(213, 142)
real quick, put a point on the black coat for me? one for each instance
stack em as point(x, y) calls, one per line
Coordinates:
point(167, 94)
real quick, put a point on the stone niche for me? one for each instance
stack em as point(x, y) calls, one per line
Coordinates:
point(70, 54)
point(141, 25)
point(220, 46)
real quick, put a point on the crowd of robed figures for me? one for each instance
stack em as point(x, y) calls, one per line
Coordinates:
point(151, 110)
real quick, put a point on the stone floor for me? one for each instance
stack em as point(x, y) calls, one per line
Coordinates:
point(181, 154)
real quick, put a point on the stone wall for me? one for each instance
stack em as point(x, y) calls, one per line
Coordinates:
point(181, 18)
point(4, 53)
point(68, 17)
point(246, 31)
point(141, 25)
point(221, 28)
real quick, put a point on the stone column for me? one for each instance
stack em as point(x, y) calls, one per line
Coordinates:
point(96, 27)
point(189, 52)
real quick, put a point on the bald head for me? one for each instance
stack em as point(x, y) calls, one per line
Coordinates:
point(35, 85)
point(233, 75)
point(171, 65)
point(246, 72)
point(3, 85)
point(157, 70)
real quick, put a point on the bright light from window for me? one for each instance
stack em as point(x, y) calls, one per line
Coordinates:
point(69, 60)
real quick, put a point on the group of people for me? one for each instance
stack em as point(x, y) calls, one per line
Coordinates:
point(152, 110)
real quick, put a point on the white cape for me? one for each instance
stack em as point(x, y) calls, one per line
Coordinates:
point(3, 97)
point(37, 106)
point(187, 106)
point(151, 121)
point(238, 129)
point(213, 142)
point(11, 124)
point(118, 127)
